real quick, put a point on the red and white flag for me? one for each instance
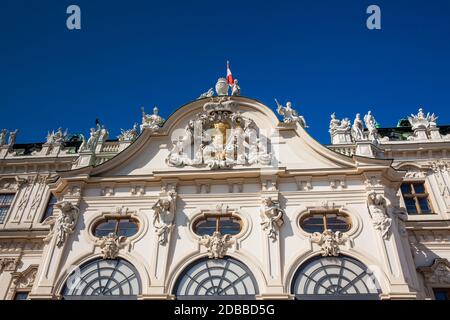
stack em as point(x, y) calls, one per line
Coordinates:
point(229, 74)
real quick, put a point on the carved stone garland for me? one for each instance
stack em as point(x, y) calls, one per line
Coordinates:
point(217, 138)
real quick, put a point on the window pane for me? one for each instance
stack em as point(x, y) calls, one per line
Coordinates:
point(337, 223)
point(105, 228)
point(419, 188)
point(229, 226)
point(21, 296)
point(313, 224)
point(424, 206)
point(410, 206)
point(442, 294)
point(206, 227)
point(6, 199)
point(406, 188)
point(3, 212)
point(127, 228)
point(49, 210)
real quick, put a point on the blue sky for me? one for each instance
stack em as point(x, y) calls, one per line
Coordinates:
point(316, 53)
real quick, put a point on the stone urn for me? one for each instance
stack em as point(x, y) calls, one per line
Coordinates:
point(222, 87)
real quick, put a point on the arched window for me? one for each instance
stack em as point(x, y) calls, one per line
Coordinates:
point(215, 279)
point(335, 278)
point(103, 279)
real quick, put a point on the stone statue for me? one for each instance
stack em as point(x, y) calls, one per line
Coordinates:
point(334, 123)
point(103, 133)
point(63, 224)
point(371, 125)
point(271, 216)
point(153, 122)
point(12, 137)
point(358, 128)
point(420, 121)
point(289, 114)
point(111, 245)
point(235, 88)
point(377, 208)
point(3, 134)
point(129, 135)
point(432, 121)
point(329, 242)
point(217, 244)
point(164, 215)
point(56, 137)
point(345, 124)
point(207, 94)
point(91, 143)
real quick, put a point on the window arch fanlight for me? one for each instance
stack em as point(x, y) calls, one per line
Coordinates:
point(335, 278)
point(225, 278)
point(103, 279)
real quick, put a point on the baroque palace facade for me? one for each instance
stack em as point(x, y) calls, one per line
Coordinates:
point(226, 199)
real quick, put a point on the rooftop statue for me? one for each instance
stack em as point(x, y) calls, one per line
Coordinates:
point(358, 128)
point(371, 125)
point(153, 122)
point(12, 137)
point(56, 137)
point(290, 115)
point(334, 123)
point(94, 138)
point(129, 135)
point(3, 134)
point(207, 94)
point(421, 121)
point(235, 88)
